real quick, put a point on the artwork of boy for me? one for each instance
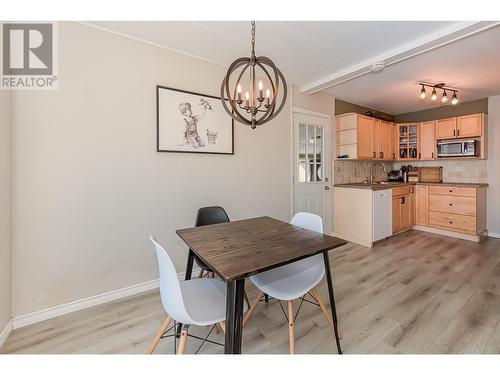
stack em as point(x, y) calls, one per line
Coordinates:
point(191, 136)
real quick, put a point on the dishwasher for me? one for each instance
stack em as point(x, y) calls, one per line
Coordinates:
point(382, 214)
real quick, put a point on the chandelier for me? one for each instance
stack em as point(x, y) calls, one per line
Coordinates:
point(434, 96)
point(256, 109)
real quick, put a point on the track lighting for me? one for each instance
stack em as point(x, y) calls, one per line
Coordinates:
point(422, 93)
point(444, 99)
point(434, 94)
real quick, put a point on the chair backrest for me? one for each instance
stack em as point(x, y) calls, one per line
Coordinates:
point(308, 220)
point(211, 215)
point(170, 287)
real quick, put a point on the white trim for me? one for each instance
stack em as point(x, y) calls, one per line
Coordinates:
point(84, 303)
point(4, 335)
point(429, 42)
point(308, 112)
point(123, 35)
point(493, 235)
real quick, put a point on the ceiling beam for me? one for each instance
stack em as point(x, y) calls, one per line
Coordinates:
point(440, 38)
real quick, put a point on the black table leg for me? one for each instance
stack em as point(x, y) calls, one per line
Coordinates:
point(332, 299)
point(189, 265)
point(234, 316)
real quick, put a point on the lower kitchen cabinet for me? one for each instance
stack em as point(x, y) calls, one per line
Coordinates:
point(422, 205)
point(402, 208)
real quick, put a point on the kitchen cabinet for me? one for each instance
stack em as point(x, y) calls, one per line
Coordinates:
point(446, 128)
point(385, 141)
point(407, 143)
point(354, 136)
point(422, 205)
point(402, 208)
point(469, 126)
point(427, 140)
point(458, 209)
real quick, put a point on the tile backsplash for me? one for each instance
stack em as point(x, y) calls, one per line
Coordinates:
point(349, 171)
point(455, 170)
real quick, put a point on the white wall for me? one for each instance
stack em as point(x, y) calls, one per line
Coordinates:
point(494, 165)
point(89, 186)
point(5, 207)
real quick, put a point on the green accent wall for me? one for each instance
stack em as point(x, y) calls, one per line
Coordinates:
point(342, 107)
point(445, 111)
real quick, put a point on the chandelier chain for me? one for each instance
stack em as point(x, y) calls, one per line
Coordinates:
point(253, 38)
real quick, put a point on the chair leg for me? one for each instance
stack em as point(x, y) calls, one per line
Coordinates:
point(245, 295)
point(182, 341)
point(160, 333)
point(322, 306)
point(252, 308)
point(291, 331)
point(200, 275)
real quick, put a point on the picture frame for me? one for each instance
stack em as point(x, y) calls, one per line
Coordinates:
point(191, 122)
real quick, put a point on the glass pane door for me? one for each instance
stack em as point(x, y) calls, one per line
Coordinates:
point(310, 160)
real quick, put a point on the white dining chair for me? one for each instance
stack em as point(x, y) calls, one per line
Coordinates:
point(200, 302)
point(295, 280)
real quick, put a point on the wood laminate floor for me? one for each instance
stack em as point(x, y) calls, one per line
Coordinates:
point(413, 293)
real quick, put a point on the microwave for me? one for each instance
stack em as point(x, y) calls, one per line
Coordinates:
point(458, 148)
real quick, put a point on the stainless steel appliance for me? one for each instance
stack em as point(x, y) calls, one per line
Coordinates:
point(458, 148)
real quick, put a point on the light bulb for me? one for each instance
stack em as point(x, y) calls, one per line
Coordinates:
point(247, 95)
point(260, 85)
point(268, 93)
point(444, 99)
point(422, 93)
point(454, 99)
point(239, 89)
point(434, 95)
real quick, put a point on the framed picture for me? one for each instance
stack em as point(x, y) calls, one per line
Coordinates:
point(191, 122)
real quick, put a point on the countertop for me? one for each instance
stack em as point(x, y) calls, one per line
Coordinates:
point(388, 185)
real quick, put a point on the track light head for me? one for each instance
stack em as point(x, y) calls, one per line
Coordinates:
point(444, 99)
point(422, 93)
point(434, 94)
point(454, 99)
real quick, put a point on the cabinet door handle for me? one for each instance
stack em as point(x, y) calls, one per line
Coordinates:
point(454, 131)
point(451, 191)
point(451, 222)
point(451, 204)
point(374, 154)
point(433, 155)
point(458, 132)
point(393, 155)
point(420, 155)
point(402, 200)
point(381, 153)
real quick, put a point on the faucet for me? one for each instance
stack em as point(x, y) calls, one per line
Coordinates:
point(371, 169)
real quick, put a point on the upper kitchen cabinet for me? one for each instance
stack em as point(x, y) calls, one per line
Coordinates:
point(427, 140)
point(446, 128)
point(354, 136)
point(470, 125)
point(385, 141)
point(408, 141)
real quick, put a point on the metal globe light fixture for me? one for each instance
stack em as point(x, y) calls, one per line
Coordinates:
point(256, 109)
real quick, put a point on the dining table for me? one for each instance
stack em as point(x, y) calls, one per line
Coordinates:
point(239, 249)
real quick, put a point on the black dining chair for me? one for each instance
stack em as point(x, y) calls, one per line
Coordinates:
point(207, 216)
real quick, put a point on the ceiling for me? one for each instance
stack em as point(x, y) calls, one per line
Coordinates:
point(322, 55)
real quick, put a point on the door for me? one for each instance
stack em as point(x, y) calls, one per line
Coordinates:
point(405, 212)
point(385, 140)
point(446, 128)
point(396, 214)
point(312, 165)
point(469, 126)
point(365, 137)
point(427, 140)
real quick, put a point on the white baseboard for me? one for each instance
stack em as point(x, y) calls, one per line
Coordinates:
point(84, 303)
point(4, 335)
point(494, 235)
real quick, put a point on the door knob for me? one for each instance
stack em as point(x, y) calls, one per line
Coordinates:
point(327, 188)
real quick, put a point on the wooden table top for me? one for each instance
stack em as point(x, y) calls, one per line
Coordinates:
point(240, 249)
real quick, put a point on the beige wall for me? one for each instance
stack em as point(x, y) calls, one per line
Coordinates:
point(493, 165)
point(455, 170)
point(5, 207)
point(341, 107)
point(317, 102)
point(90, 187)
